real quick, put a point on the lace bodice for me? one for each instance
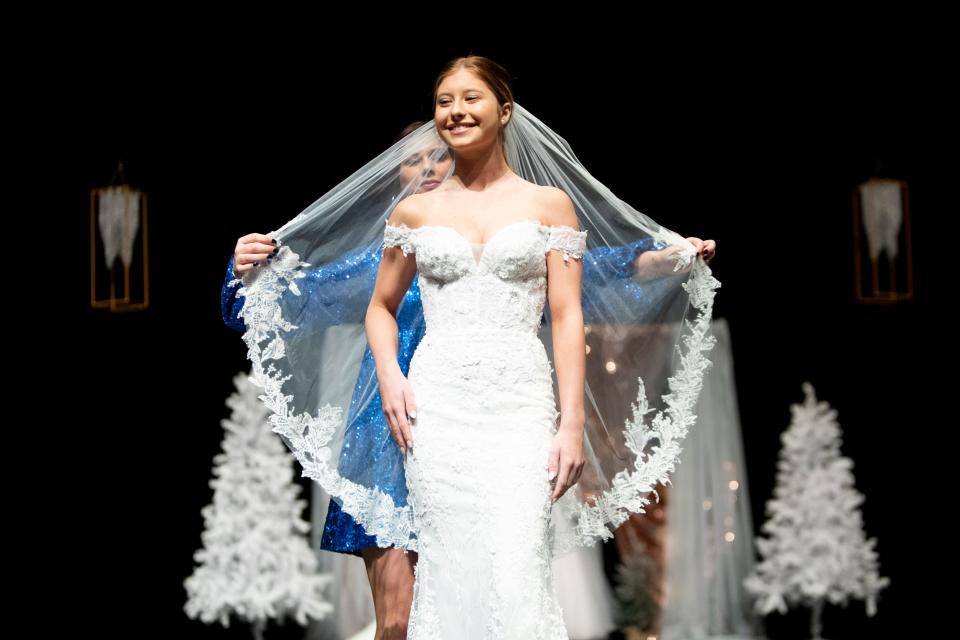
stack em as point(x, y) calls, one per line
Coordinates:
point(504, 288)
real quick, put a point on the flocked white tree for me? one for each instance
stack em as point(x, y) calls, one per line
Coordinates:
point(816, 551)
point(256, 562)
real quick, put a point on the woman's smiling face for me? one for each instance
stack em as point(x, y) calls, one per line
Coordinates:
point(466, 111)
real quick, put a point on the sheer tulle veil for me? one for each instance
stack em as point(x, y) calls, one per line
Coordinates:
point(647, 304)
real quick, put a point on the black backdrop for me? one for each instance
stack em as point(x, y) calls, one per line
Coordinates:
point(754, 141)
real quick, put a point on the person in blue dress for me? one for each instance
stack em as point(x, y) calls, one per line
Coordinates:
point(391, 570)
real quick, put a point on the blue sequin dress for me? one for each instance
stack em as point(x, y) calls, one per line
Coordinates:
point(341, 533)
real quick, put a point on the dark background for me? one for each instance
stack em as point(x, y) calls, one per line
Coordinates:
point(754, 138)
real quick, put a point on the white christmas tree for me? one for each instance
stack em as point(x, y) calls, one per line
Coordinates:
point(256, 562)
point(816, 551)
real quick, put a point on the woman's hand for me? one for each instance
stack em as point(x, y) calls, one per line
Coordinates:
point(396, 396)
point(251, 250)
point(566, 457)
point(705, 248)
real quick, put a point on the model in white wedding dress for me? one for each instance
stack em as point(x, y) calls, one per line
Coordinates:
point(486, 414)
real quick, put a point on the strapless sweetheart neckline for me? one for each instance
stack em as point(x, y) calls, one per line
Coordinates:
point(478, 257)
point(464, 238)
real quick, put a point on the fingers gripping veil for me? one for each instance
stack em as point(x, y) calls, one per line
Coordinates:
point(647, 307)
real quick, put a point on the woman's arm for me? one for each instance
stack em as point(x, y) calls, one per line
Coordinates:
point(603, 263)
point(569, 347)
point(322, 288)
point(394, 276)
point(230, 302)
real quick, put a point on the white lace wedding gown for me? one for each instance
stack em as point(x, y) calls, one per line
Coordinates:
point(486, 415)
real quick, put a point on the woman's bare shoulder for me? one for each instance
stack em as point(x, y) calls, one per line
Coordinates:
point(408, 211)
point(556, 207)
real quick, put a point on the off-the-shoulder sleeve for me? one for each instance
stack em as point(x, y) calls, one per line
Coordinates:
point(399, 236)
point(568, 241)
